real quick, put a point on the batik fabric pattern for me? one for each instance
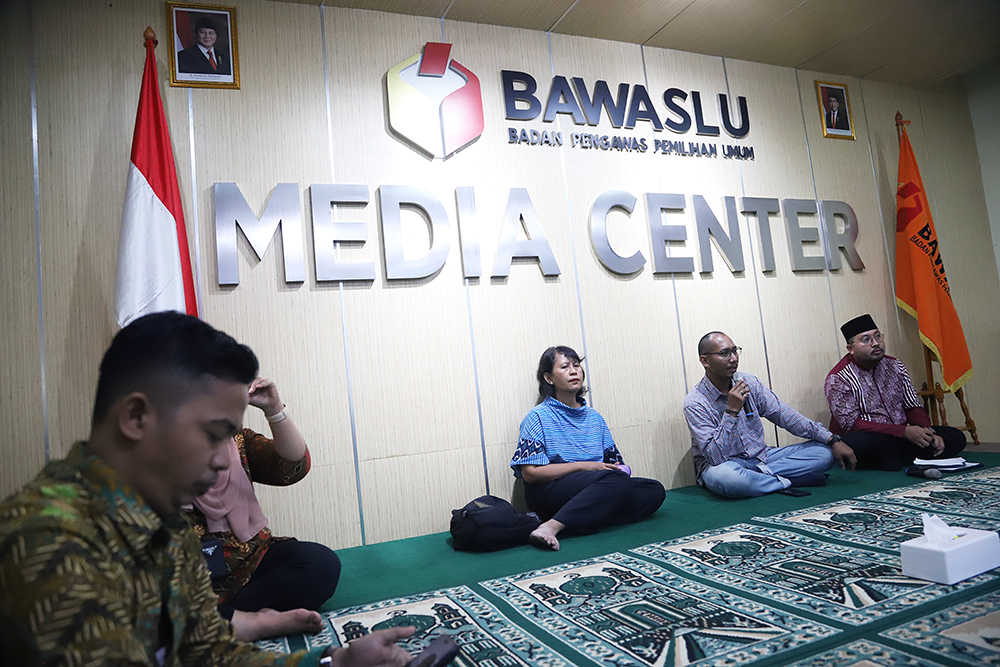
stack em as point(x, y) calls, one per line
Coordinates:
point(92, 575)
point(881, 400)
point(262, 464)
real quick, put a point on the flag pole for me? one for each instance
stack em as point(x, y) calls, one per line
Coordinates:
point(153, 271)
point(932, 393)
point(928, 389)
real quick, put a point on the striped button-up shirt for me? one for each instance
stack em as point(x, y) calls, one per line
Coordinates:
point(717, 436)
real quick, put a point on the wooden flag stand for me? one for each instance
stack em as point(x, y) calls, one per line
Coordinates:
point(934, 400)
point(931, 393)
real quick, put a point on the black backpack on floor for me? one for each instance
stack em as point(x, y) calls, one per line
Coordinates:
point(489, 523)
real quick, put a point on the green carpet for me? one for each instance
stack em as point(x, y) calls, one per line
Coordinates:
point(418, 564)
point(705, 581)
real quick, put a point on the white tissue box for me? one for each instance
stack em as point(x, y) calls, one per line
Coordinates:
point(972, 552)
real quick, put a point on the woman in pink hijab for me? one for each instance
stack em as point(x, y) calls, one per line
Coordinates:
point(267, 586)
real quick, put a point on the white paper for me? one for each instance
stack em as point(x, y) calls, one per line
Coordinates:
point(957, 462)
point(937, 531)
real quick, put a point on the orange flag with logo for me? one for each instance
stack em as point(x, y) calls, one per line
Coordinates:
point(921, 282)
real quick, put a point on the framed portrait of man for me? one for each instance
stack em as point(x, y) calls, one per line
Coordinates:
point(835, 110)
point(203, 52)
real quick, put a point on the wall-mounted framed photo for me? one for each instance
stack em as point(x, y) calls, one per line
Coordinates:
point(203, 51)
point(835, 110)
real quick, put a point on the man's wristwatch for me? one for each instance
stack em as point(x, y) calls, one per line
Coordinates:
point(834, 438)
point(730, 411)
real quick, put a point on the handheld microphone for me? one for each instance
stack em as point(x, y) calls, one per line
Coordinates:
point(740, 377)
point(929, 473)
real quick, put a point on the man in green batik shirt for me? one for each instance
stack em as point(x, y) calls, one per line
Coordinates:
point(97, 567)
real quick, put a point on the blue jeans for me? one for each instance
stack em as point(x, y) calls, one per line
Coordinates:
point(742, 478)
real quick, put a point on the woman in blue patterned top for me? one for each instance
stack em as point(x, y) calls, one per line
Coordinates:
point(574, 476)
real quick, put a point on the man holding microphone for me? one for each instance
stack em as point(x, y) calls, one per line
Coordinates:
point(724, 413)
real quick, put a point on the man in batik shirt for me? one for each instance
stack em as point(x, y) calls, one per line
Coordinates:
point(97, 567)
point(875, 409)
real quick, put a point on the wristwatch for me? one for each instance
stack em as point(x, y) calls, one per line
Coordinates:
point(834, 438)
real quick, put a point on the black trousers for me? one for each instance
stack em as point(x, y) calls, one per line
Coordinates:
point(292, 575)
point(587, 500)
point(878, 451)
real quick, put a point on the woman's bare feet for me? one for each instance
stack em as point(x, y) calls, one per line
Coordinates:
point(250, 626)
point(545, 535)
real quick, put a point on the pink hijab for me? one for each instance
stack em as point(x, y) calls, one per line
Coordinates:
point(231, 505)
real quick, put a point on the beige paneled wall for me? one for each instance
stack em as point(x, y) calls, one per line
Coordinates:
point(404, 388)
point(879, 104)
point(959, 210)
point(794, 307)
point(842, 171)
point(21, 393)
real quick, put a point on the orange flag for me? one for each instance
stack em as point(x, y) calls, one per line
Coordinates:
point(921, 283)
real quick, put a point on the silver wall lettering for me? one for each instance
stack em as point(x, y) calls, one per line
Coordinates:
point(409, 255)
point(283, 209)
point(661, 234)
point(468, 231)
point(762, 207)
point(327, 232)
point(709, 229)
point(391, 200)
point(520, 211)
point(799, 236)
point(837, 241)
point(603, 205)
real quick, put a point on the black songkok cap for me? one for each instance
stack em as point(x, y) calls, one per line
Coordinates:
point(204, 22)
point(857, 325)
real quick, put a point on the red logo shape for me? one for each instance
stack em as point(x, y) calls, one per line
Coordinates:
point(434, 102)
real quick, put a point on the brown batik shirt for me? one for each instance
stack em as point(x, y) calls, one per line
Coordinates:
point(262, 464)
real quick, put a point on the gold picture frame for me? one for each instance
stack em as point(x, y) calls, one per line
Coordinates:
point(202, 46)
point(835, 110)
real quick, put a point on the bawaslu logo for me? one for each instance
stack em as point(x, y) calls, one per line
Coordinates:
point(435, 103)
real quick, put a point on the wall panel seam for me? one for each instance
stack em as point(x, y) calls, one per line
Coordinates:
point(673, 282)
point(47, 449)
point(753, 255)
point(343, 301)
point(194, 202)
point(572, 244)
point(475, 356)
point(881, 213)
point(819, 217)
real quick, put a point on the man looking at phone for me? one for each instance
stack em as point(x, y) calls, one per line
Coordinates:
point(875, 409)
point(97, 566)
point(724, 413)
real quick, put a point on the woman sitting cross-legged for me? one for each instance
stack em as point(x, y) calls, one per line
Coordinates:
point(574, 476)
point(267, 586)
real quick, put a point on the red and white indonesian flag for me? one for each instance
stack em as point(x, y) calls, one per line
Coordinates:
point(154, 267)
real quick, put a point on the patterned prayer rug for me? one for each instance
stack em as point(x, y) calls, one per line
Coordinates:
point(876, 525)
point(618, 610)
point(957, 497)
point(864, 654)
point(985, 475)
point(968, 632)
point(838, 582)
point(486, 636)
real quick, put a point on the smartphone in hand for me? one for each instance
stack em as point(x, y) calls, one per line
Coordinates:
point(440, 652)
